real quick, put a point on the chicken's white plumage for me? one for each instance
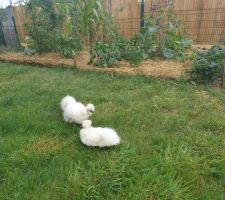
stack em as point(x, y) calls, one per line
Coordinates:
point(66, 101)
point(75, 112)
point(98, 137)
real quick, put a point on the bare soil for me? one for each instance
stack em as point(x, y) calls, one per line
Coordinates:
point(202, 46)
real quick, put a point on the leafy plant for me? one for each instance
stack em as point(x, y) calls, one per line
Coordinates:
point(133, 53)
point(68, 46)
point(168, 34)
point(208, 65)
point(146, 42)
point(44, 26)
point(59, 26)
point(107, 54)
point(175, 46)
point(92, 20)
point(161, 36)
point(29, 46)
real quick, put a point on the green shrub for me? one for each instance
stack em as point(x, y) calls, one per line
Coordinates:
point(68, 46)
point(146, 41)
point(43, 28)
point(175, 46)
point(107, 54)
point(133, 53)
point(168, 35)
point(57, 26)
point(208, 65)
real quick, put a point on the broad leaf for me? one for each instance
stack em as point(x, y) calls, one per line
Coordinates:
point(169, 53)
point(154, 29)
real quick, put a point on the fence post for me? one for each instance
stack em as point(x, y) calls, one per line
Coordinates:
point(17, 35)
point(142, 13)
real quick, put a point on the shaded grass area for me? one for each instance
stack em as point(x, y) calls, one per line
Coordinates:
point(173, 137)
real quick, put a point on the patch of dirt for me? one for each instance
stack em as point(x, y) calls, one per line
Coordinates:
point(202, 47)
point(43, 146)
point(157, 67)
point(205, 95)
point(202, 93)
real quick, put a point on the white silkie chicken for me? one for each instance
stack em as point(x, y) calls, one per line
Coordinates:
point(66, 101)
point(75, 112)
point(98, 137)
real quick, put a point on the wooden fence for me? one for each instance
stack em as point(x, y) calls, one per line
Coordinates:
point(20, 20)
point(204, 20)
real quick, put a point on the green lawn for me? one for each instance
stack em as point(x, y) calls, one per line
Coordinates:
point(173, 137)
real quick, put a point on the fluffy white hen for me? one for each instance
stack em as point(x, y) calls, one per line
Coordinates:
point(98, 137)
point(66, 101)
point(75, 112)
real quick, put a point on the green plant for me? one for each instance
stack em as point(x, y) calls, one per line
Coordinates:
point(29, 46)
point(107, 54)
point(59, 26)
point(175, 46)
point(147, 41)
point(161, 36)
point(208, 65)
point(168, 35)
point(133, 53)
point(92, 21)
point(44, 26)
point(68, 46)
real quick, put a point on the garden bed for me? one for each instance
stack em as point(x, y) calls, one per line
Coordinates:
point(157, 67)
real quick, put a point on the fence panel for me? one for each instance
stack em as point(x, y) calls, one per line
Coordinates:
point(9, 34)
point(20, 20)
point(126, 14)
point(204, 20)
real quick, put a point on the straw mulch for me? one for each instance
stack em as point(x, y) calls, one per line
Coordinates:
point(158, 68)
